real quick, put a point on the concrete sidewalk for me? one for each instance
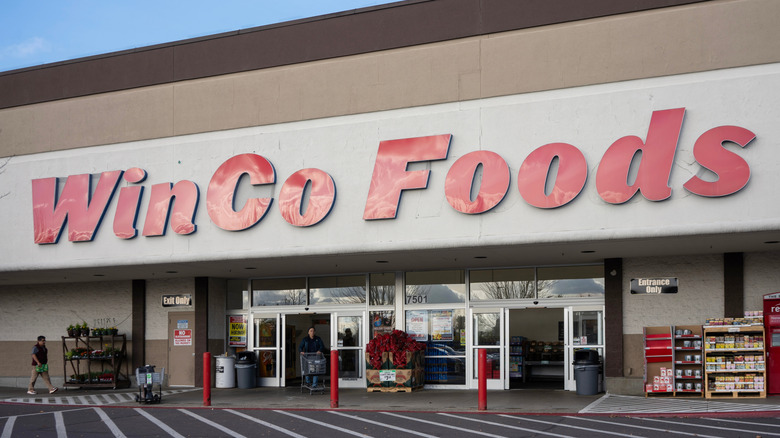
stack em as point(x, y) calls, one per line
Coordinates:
point(525, 401)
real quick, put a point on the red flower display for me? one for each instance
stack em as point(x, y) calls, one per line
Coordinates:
point(399, 343)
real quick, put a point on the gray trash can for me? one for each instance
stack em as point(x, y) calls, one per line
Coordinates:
point(246, 369)
point(586, 371)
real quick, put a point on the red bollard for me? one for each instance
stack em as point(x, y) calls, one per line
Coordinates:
point(207, 379)
point(334, 378)
point(482, 388)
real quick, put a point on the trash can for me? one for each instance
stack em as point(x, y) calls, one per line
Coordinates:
point(586, 371)
point(246, 369)
point(226, 372)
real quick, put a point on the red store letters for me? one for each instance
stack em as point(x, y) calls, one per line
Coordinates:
point(655, 157)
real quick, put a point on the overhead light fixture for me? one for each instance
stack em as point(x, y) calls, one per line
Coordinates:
point(480, 257)
point(250, 268)
point(171, 272)
point(587, 251)
point(382, 261)
point(769, 242)
point(98, 275)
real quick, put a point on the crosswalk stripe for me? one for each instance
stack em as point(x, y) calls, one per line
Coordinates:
point(622, 404)
point(88, 400)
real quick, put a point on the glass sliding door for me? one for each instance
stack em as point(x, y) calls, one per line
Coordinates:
point(489, 333)
point(267, 341)
point(584, 330)
point(350, 332)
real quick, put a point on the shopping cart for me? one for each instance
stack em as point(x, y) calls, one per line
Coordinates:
point(148, 380)
point(313, 364)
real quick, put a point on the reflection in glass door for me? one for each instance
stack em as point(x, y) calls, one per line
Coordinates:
point(266, 345)
point(350, 335)
point(489, 335)
point(585, 330)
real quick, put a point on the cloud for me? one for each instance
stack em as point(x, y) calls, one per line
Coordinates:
point(26, 49)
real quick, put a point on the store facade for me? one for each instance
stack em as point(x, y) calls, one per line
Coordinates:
point(472, 185)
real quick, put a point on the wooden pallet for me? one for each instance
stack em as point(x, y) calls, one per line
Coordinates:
point(392, 389)
point(736, 394)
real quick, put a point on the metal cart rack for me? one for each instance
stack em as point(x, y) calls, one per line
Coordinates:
point(148, 381)
point(313, 364)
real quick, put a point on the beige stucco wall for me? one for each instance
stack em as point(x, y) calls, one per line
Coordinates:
point(699, 37)
point(762, 276)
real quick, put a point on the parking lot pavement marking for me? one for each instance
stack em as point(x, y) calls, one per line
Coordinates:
point(265, 423)
point(59, 425)
point(533, 420)
point(636, 426)
point(476, 432)
point(110, 423)
point(628, 404)
point(212, 424)
point(159, 423)
point(759, 433)
point(389, 426)
point(341, 429)
point(508, 426)
point(743, 422)
point(8, 428)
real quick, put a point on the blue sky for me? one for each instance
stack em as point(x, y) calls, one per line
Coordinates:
point(43, 31)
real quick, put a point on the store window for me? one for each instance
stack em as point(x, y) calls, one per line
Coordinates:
point(237, 294)
point(279, 292)
point(381, 289)
point(435, 287)
point(501, 284)
point(444, 332)
point(382, 322)
point(341, 289)
point(570, 281)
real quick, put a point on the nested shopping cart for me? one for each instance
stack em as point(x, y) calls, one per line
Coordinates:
point(313, 364)
point(148, 381)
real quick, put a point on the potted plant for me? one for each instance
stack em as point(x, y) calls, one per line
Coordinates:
point(114, 331)
point(84, 329)
point(72, 331)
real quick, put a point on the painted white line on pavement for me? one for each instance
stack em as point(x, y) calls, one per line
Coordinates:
point(600, 431)
point(508, 426)
point(265, 423)
point(593, 405)
point(8, 428)
point(378, 423)
point(761, 433)
point(110, 423)
point(635, 426)
point(82, 400)
point(323, 424)
point(406, 417)
point(159, 423)
point(212, 424)
point(743, 422)
point(59, 425)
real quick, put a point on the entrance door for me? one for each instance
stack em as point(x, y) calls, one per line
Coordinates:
point(267, 342)
point(181, 349)
point(584, 329)
point(489, 333)
point(349, 333)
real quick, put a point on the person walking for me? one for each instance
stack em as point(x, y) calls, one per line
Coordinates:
point(311, 344)
point(40, 366)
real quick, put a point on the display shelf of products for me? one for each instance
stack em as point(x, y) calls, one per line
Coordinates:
point(658, 367)
point(543, 360)
point(95, 361)
point(516, 364)
point(735, 359)
point(687, 368)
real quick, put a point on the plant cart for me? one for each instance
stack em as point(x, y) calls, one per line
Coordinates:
point(95, 361)
point(313, 364)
